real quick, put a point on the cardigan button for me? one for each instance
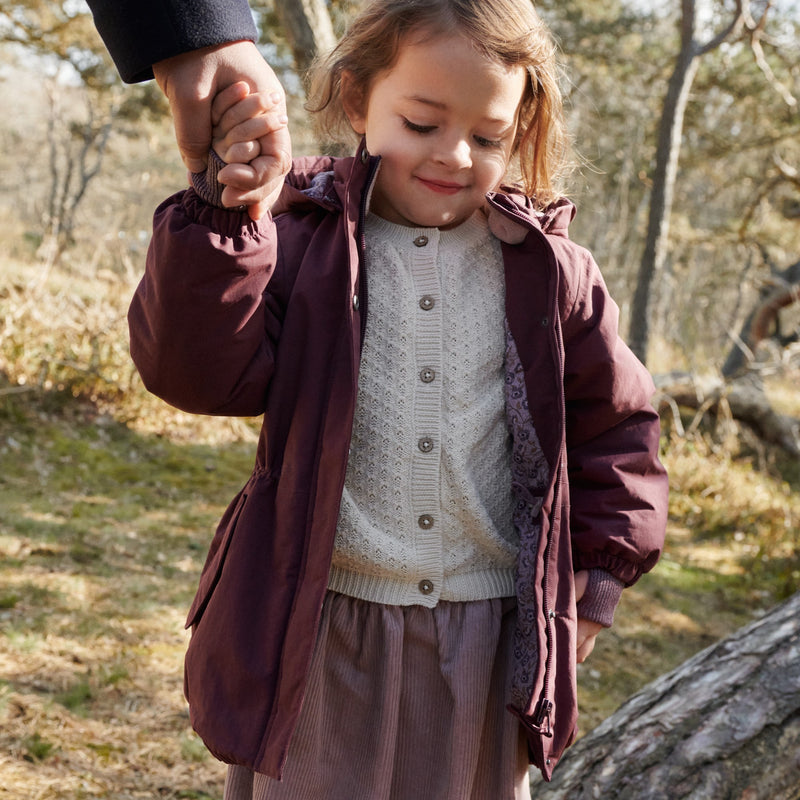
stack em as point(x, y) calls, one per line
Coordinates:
point(427, 375)
point(355, 302)
point(425, 444)
point(421, 241)
point(426, 586)
point(426, 302)
point(425, 522)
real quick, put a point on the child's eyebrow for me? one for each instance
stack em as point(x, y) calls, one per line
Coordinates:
point(416, 98)
point(440, 106)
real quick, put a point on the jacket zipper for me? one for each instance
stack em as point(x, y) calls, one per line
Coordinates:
point(542, 715)
point(362, 244)
point(543, 711)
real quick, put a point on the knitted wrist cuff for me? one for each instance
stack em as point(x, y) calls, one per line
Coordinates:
point(206, 184)
point(601, 597)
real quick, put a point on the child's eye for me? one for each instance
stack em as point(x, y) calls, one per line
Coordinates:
point(483, 142)
point(412, 126)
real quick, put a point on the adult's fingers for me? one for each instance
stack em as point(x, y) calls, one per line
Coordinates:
point(188, 82)
point(192, 80)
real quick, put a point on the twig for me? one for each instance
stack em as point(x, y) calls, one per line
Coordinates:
point(665, 399)
point(756, 35)
point(7, 390)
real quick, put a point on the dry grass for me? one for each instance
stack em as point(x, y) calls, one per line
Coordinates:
point(103, 530)
point(103, 533)
point(107, 502)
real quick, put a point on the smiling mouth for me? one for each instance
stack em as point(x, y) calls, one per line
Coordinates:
point(441, 187)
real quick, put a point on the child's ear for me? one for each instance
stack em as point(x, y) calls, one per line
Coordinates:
point(353, 102)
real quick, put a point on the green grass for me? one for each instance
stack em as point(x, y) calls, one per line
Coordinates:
point(77, 697)
point(36, 748)
point(103, 532)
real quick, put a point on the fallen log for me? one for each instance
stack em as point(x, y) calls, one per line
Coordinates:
point(744, 399)
point(725, 725)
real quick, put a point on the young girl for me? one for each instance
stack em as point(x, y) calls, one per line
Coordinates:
point(457, 471)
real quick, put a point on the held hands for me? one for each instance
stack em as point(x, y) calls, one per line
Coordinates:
point(192, 81)
point(587, 630)
point(242, 121)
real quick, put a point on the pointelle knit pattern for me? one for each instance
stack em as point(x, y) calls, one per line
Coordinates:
point(427, 510)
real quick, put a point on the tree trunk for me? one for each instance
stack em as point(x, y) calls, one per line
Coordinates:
point(670, 131)
point(308, 28)
point(725, 725)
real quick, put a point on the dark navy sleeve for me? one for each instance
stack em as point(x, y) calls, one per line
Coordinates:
point(139, 33)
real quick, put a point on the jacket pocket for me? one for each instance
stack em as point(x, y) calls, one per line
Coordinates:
point(216, 559)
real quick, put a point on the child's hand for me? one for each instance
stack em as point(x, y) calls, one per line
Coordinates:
point(587, 635)
point(587, 630)
point(240, 120)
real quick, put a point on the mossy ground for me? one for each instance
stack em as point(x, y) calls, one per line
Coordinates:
point(103, 532)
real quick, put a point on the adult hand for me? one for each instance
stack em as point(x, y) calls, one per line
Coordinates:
point(190, 82)
point(587, 630)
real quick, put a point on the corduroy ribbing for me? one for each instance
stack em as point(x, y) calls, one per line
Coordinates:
point(404, 703)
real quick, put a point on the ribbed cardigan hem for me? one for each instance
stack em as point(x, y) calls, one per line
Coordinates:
point(466, 587)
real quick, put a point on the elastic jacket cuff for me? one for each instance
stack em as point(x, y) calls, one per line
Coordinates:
point(603, 593)
point(206, 183)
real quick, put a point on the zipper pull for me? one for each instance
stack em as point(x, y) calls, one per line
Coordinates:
point(541, 718)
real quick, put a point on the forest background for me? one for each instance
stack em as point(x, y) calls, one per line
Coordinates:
point(108, 498)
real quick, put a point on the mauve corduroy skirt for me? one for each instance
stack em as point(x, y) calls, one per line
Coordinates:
point(403, 703)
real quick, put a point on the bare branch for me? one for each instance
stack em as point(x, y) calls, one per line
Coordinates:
point(772, 80)
point(754, 203)
point(788, 172)
point(749, 355)
point(734, 28)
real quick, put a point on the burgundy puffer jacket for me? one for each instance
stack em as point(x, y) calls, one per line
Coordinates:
point(240, 318)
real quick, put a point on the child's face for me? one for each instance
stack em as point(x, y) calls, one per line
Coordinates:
point(444, 120)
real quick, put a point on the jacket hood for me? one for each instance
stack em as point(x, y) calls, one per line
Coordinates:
point(311, 182)
point(320, 181)
point(553, 220)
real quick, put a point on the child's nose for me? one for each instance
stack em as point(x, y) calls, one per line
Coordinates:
point(456, 153)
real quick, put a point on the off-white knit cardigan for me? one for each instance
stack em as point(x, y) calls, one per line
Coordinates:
point(427, 507)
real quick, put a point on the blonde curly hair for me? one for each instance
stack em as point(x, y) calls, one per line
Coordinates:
point(509, 32)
